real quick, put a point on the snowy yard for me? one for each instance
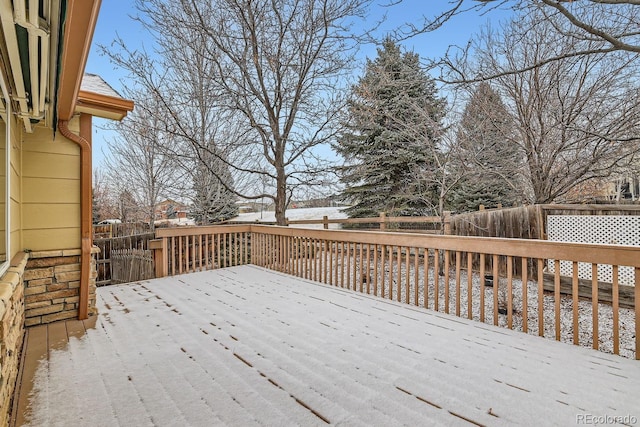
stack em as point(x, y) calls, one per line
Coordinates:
point(297, 214)
point(247, 346)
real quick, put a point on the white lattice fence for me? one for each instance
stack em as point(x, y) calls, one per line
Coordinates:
point(607, 229)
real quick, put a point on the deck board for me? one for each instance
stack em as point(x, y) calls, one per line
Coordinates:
point(247, 346)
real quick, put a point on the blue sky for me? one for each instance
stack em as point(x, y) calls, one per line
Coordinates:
point(114, 19)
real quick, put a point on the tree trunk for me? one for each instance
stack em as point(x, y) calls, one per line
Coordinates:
point(281, 196)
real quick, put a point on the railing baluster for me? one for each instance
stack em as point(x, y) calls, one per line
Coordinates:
point(368, 272)
point(540, 297)
point(237, 247)
point(496, 289)
point(180, 239)
point(574, 295)
point(510, 292)
point(616, 311)
point(556, 296)
point(525, 295)
point(458, 268)
point(436, 279)
point(447, 285)
point(218, 236)
point(375, 269)
point(482, 283)
point(469, 285)
point(594, 306)
point(383, 254)
point(407, 275)
point(390, 272)
point(173, 256)
point(351, 263)
point(342, 265)
point(416, 277)
point(333, 263)
point(355, 266)
point(200, 251)
point(425, 283)
point(399, 275)
point(362, 278)
point(327, 269)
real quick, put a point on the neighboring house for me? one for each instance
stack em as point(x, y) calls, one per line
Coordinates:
point(46, 110)
point(170, 209)
point(621, 189)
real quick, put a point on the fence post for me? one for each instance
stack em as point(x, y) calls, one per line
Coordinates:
point(541, 224)
point(481, 207)
point(447, 223)
point(325, 222)
point(383, 221)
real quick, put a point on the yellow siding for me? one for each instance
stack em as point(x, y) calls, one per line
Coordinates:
point(50, 191)
point(51, 239)
point(49, 215)
point(46, 165)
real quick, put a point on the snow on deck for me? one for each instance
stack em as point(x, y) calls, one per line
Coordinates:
point(246, 346)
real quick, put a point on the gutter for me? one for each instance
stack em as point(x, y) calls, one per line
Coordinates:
point(84, 141)
point(79, 23)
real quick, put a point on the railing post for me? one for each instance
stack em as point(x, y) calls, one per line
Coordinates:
point(447, 223)
point(159, 248)
point(325, 222)
point(383, 221)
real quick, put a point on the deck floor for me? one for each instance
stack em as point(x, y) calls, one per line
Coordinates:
point(246, 346)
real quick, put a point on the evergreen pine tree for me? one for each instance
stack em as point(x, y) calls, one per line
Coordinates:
point(487, 161)
point(389, 146)
point(212, 201)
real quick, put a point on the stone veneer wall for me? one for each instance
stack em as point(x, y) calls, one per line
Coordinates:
point(11, 330)
point(52, 285)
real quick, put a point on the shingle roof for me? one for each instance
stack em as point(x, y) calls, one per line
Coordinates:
point(94, 83)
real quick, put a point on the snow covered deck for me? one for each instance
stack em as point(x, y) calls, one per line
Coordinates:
point(247, 346)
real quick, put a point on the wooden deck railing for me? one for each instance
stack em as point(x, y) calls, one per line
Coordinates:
point(457, 275)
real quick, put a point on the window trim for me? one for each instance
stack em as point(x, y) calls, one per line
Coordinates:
point(7, 160)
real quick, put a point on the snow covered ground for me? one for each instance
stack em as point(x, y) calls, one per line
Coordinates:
point(247, 346)
point(297, 214)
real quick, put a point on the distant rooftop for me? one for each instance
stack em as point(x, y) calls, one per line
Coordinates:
point(94, 83)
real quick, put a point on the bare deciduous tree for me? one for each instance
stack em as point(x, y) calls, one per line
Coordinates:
point(275, 69)
point(575, 118)
point(613, 23)
point(137, 161)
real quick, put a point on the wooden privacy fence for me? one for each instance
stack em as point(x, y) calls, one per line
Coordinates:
point(108, 245)
point(105, 231)
point(129, 265)
point(452, 274)
point(420, 224)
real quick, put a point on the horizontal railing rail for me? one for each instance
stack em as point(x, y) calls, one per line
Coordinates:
point(457, 275)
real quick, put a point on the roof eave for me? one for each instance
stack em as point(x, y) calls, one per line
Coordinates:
point(99, 105)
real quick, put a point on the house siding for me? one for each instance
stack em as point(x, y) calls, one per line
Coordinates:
point(50, 181)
